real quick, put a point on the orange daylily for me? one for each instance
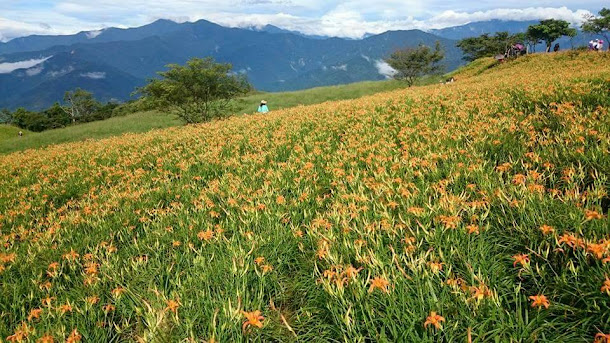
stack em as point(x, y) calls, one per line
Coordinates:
point(379, 283)
point(253, 318)
point(434, 319)
point(539, 301)
point(523, 259)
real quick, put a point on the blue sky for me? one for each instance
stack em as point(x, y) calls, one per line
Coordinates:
point(324, 17)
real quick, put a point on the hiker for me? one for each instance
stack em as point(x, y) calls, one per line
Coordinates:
point(20, 133)
point(262, 108)
point(556, 47)
point(600, 45)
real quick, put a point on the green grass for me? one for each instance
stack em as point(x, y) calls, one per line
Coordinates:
point(138, 122)
point(8, 132)
point(146, 121)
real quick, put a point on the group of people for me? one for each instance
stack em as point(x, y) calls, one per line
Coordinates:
point(596, 45)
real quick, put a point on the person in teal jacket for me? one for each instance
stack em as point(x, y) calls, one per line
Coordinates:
point(263, 107)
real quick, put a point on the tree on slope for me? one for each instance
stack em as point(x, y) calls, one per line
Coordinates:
point(599, 25)
point(198, 91)
point(80, 104)
point(550, 30)
point(412, 63)
point(487, 46)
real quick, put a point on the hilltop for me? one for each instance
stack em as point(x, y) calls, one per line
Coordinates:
point(477, 209)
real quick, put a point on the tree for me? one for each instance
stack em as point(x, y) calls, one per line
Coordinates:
point(412, 63)
point(599, 25)
point(197, 92)
point(6, 117)
point(550, 30)
point(80, 105)
point(57, 117)
point(33, 121)
point(487, 46)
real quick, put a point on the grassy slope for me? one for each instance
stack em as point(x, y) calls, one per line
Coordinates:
point(8, 132)
point(142, 122)
point(346, 221)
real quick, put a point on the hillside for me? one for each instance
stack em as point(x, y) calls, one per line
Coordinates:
point(112, 67)
point(439, 213)
point(146, 121)
point(8, 132)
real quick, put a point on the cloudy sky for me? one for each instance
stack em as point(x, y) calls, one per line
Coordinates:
point(345, 18)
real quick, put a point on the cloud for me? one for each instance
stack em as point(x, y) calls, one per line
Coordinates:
point(93, 34)
point(35, 70)
point(9, 67)
point(343, 18)
point(384, 69)
point(96, 75)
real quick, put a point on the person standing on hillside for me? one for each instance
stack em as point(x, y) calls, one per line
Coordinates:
point(556, 48)
point(262, 108)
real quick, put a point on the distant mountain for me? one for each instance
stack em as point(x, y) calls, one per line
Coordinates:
point(478, 28)
point(37, 42)
point(116, 61)
point(277, 30)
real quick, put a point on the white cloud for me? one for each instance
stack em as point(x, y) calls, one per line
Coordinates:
point(96, 75)
point(9, 67)
point(344, 18)
point(341, 67)
point(61, 72)
point(35, 70)
point(93, 34)
point(384, 69)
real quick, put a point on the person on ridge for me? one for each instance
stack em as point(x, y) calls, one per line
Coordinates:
point(556, 48)
point(263, 107)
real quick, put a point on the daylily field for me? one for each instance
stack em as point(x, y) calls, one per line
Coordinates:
point(474, 211)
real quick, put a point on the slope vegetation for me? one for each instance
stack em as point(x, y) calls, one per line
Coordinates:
point(472, 210)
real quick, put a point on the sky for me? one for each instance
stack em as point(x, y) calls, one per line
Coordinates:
point(341, 18)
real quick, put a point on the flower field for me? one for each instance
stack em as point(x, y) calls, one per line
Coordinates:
point(475, 211)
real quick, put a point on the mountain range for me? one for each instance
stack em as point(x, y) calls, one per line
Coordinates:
point(111, 63)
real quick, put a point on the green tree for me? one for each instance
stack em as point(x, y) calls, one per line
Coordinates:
point(6, 117)
point(412, 63)
point(33, 121)
point(198, 91)
point(550, 30)
point(80, 105)
point(57, 117)
point(599, 25)
point(487, 46)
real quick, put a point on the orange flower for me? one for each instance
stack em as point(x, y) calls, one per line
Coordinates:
point(472, 229)
point(65, 308)
point(435, 266)
point(434, 319)
point(606, 286)
point(602, 338)
point(521, 258)
point(592, 215)
point(379, 283)
point(93, 300)
point(34, 314)
point(74, 337)
point(108, 308)
point(252, 319)
point(205, 235)
point(45, 339)
point(20, 334)
point(117, 292)
point(173, 305)
point(259, 260)
point(546, 229)
point(539, 301)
